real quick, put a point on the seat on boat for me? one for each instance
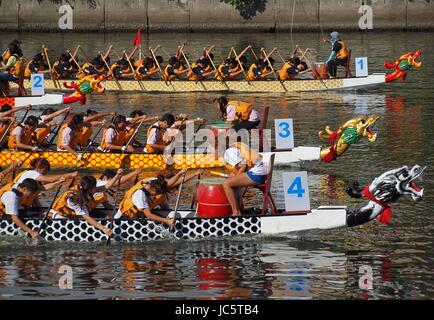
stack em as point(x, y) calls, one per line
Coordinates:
point(265, 188)
point(348, 73)
point(262, 128)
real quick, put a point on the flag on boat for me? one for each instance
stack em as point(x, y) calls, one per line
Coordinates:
point(137, 40)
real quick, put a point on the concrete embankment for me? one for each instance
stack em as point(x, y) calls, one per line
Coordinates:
point(215, 15)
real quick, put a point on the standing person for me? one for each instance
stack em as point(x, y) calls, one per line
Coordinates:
point(248, 170)
point(11, 201)
point(241, 114)
point(339, 54)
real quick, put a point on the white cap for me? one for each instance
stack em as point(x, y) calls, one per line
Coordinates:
point(232, 156)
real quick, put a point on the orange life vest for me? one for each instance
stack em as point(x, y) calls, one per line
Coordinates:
point(193, 76)
point(127, 206)
point(84, 136)
point(28, 137)
point(26, 201)
point(120, 138)
point(61, 205)
point(160, 138)
point(42, 134)
point(283, 74)
point(251, 75)
point(343, 53)
point(74, 140)
point(243, 110)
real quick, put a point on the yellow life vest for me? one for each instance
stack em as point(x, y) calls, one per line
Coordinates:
point(243, 110)
point(42, 134)
point(343, 53)
point(17, 67)
point(85, 135)
point(74, 140)
point(160, 138)
point(28, 137)
point(127, 206)
point(191, 75)
point(220, 75)
point(27, 201)
point(165, 75)
point(120, 138)
point(61, 205)
point(283, 74)
point(251, 75)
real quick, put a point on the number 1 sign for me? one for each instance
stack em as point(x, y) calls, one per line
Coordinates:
point(361, 67)
point(37, 81)
point(296, 191)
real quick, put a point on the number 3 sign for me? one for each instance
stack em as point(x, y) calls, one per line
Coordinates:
point(296, 191)
point(284, 133)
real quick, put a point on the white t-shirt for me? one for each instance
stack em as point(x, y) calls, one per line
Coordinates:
point(18, 131)
point(32, 174)
point(66, 137)
point(154, 134)
point(254, 116)
point(233, 157)
point(11, 203)
point(79, 211)
point(139, 199)
point(100, 183)
point(110, 135)
point(230, 112)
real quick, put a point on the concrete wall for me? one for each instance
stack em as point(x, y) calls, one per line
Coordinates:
point(214, 15)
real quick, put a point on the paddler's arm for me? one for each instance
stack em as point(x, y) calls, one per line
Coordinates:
point(97, 225)
point(178, 123)
point(180, 72)
point(50, 117)
point(111, 183)
point(143, 118)
point(53, 178)
point(52, 185)
point(207, 74)
point(99, 115)
point(119, 148)
point(9, 169)
point(21, 145)
point(20, 224)
point(129, 176)
point(152, 216)
point(243, 52)
point(13, 110)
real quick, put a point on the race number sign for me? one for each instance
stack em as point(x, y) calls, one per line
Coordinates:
point(37, 81)
point(361, 67)
point(284, 132)
point(296, 191)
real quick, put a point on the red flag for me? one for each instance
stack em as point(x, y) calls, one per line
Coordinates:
point(137, 40)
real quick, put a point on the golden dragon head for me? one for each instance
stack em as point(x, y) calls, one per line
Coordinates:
point(90, 83)
point(411, 58)
point(364, 126)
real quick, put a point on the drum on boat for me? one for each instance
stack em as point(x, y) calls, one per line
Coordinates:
point(321, 71)
point(211, 199)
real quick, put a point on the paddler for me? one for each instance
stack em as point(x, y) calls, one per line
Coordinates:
point(197, 71)
point(91, 118)
point(115, 136)
point(39, 169)
point(23, 136)
point(10, 68)
point(45, 119)
point(11, 200)
point(6, 117)
point(173, 70)
point(36, 65)
point(133, 121)
point(79, 202)
point(248, 170)
point(65, 66)
point(121, 69)
point(96, 66)
point(292, 68)
point(103, 198)
point(147, 67)
point(338, 55)
point(160, 135)
point(70, 134)
point(240, 114)
point(142, 198)
point(258, 70)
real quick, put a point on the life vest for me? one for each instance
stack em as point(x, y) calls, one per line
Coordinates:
point(192, 73)
point(127, 206)
point(42, 134)
point(160, 138)
point(74, 140)
point(243, 110)
point(139, 75)
point(15, 70)
point(64, 73)
point(28, 137)
point(61, 205)
point(283, 74)
point(343, 53)
point(26, 201)
point(3, 190)
point(6, 55)
point(116, 65)
point(254, 72)
point(84, 71)
point(85, 135)
point(129, 133)
point(168, 74)
point(120, 138)
point(223, 72)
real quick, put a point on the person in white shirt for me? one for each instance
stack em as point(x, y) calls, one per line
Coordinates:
point(240, 114)
point(249, 170)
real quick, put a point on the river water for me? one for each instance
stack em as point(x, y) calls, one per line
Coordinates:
point(319, 266)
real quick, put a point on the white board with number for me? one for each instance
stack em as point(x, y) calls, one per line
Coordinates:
point(284, 133)
point(361, 67)
point(37, 81)
point(296, 191)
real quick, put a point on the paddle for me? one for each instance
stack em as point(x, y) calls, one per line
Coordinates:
point(51, 206)
point(241, 65)
point(177, 202)
point(224, 175)
point(110, 72)
point(158, 65)
point(132, 69)
point(114, 209)
point(272, 69)
point(56, 85)
point(218, 71)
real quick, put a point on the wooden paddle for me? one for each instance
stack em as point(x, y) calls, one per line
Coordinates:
point(114, 210)
point(241, 65)
point(217, 70)
point(272, 69)
point(133, 70)
point(110, 72)
point(56, 84)
point(158, 65)
point(177, 202)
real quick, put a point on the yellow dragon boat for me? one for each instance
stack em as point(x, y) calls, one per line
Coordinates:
point(270, 86)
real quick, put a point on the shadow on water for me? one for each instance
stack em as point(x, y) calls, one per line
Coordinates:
point(248, 8)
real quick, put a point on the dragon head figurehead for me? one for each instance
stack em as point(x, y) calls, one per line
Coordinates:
point(82, 87)
point(349, 133)
point(383, 191)
point(402, 65)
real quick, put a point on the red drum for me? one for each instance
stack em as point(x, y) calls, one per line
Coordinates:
point(321, 71)
point(211, 199)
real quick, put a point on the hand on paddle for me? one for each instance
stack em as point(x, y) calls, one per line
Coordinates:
point(128, 148)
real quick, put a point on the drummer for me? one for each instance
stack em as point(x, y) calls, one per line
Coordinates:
point(240, 114)
point(339, 54)
point(248, 170)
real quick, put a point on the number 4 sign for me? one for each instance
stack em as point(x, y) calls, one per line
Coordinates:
point(37, 81)
point(296, 191)
point(361, 67)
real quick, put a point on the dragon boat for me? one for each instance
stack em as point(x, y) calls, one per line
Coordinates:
point(383, 191)
point(269, 86)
